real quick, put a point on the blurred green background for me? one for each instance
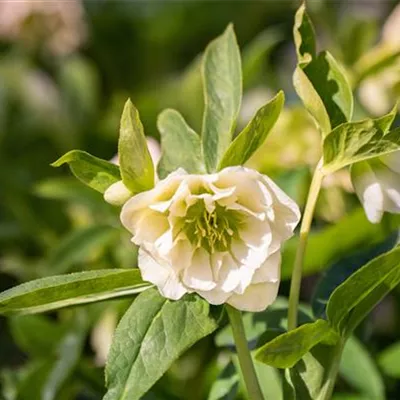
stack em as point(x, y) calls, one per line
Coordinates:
point(66, 69)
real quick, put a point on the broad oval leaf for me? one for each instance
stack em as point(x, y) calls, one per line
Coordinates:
point(287, 349)
point(359, 294)
point(137, 168)
point(357, 141)
point(94, 172)
point(151, 335)
point(254, 134)
point(181, 145)
point(222, 80)
point(67, 290)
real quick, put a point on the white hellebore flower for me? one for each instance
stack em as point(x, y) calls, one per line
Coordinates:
point(377, 184)
point(218, 235)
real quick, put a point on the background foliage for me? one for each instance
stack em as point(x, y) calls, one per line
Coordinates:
point(65, 73)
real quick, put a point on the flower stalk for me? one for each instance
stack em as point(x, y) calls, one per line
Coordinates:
point(294, 295)
point(245, 360)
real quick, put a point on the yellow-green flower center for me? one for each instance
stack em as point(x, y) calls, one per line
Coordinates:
point(213, 230)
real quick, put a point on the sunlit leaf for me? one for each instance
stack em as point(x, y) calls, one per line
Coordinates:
point(357, 141)
point(94, 172)
point(254, 134)
point(151, 335)
point(181, 145)
point(54, 292)
point(222, 80)
point(287, 349)
point(359, 294)
point(137, 168)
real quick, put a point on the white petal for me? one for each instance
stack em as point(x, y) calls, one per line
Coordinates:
point(181, 254)
point(390, 184)
point(256, 233)
point(215, 296)
point(229, 275)
point(368, 190)
point(199, 275)
point(270, 270)
point(286, 211)
point(159, 273)
point(256, 297)
point(147, 226)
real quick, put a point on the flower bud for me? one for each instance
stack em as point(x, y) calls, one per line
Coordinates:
point(117, 194)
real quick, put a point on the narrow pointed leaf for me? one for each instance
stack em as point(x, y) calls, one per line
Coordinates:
point(254, 134)
point(304, 36)
point(222, 80)
point(311, 100)
point(137, 168)
point(287, 349)
point(181, 145)
point(358, 141)
point(67, 290)
point(319, 80)
point(151, 335)
point(94, 172)
point(359, 294)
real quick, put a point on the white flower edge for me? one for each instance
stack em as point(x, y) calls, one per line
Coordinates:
point(247, 273)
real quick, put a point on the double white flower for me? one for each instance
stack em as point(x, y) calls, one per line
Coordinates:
point(218, 235)
point(377, 184)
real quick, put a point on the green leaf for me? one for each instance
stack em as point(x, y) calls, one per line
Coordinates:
point(152, 334)
point(255, 55)
point(274, 318)
point(329, 244)
point(94, 172)
point(342, 269)
point(181, 145)
point(359, 294)
point(358, 368)
point(306, 379)
point(222, 80)
point(68, 353)
point(226, 386)
point(358, 141)
point(311, 100)
point(254, 134)
point(304, 36)
point(67, 290)
point(36, 335)
point(137, 168)
point(287, 349)
point(319, 80)
point(78, 247)
point(389, 360)
point(374, 61)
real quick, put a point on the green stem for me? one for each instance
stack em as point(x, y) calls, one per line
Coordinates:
point(327, 390)
point(304, 231)
point(245, 360)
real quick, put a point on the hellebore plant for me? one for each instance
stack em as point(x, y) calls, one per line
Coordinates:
point(210, 230)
